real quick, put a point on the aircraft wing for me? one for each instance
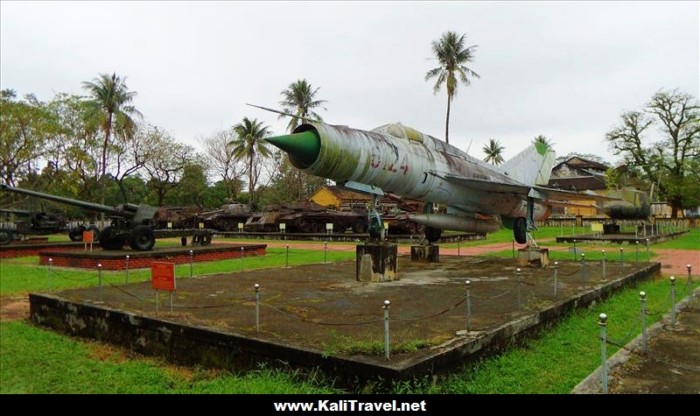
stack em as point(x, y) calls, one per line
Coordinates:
point(488, 186)
point(550, 195)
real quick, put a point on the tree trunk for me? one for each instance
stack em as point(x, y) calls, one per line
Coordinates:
point(447, 120)
point(104, 165)
point(250, 182)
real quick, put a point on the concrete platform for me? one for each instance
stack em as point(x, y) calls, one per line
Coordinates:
point(116, 259)
point(620, 238)
point(319, 316)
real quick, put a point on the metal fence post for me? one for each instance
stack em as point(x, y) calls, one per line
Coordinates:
point(257, 307)
point(517, 276)
point(325, 252)
point(602, 321)
point(648, 254)
point(556, 272)
point(690, 279)
point(48, 273)
point(673, 301)
point(583, 267)
point(575, 254)
point(386, 328)
point(468, 300)
point(126, 269)
point(636, 244)
point(643, 300)
point(458, 253)
point(191, 262)
point(286, 258)
point(242, 269)
point(513, 248)
point(622, 257)
point(99, 279)
point(603, 253)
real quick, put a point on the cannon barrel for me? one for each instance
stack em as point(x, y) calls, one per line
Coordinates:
point(125, 210)
point(15, 211)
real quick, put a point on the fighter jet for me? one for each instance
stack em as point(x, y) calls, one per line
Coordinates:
point(399, 160)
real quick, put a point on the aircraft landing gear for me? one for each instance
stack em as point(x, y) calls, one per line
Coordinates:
point(520, 230)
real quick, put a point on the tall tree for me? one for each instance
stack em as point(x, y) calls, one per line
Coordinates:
point(452, 56)
point(248, 144)
point(300, 99)
point(24, 127)
point(218, 152)
point(166, 165)
point(494, 152)
point(111, 109)
point(544, 140)
point(666, 161)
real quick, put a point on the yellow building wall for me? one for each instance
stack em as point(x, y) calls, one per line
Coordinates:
point(325, 198)
point(591, 211)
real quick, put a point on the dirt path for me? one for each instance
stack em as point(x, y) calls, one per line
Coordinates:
point(673, 262)
point(14, 307)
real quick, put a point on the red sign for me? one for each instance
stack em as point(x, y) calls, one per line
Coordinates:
point(163, 276)
point(88, 237)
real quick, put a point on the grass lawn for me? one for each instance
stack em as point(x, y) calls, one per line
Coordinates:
point(24, 274)
point(35, 360)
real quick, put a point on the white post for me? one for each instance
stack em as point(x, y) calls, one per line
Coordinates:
point(386, 329)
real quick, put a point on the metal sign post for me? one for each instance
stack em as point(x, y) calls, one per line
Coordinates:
point(163, 278)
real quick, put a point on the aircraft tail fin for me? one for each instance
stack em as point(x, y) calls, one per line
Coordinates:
point(532, 166)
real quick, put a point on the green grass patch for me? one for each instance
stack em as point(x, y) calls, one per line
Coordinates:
point(35, 360)
point(687, 241)
point(24, 274)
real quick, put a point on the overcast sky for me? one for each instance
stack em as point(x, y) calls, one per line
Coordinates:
point(563, 69)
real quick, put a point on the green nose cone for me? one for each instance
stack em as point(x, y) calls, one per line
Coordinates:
point(302, 147)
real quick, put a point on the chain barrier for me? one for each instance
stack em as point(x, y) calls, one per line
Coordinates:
point(373, 321)
point(636, 329)
point(515, 286)
point(663, 307)
point(126, 292)
point(433, 315)
point(56, 273)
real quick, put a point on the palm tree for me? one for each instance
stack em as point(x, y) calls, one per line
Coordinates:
point(542, 139)
point(110, 108)
point(452, 56)
point(249, 142)
point(493, 152)
point(300, 100)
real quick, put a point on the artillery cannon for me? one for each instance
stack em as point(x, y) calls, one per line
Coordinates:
point(38, 223)
point(130, 223)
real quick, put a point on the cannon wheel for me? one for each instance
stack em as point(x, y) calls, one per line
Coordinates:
point(110, 239)
point(359, 226)
point(5, 237)
point(76, 233)
point(432, 234)
point(142, 238)
point(520, 230)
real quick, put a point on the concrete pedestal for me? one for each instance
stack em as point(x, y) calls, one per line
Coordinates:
point(428, 254)
point(533, 256)
point(376, 262)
